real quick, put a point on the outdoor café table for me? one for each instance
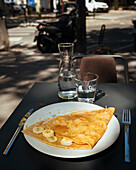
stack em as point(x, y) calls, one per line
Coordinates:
point(22, 156)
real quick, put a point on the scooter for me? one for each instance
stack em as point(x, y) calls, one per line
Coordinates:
point(49, 35)
point(134, 33)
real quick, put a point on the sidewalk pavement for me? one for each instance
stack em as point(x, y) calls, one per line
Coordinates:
point(22, 67)
point(32, 19)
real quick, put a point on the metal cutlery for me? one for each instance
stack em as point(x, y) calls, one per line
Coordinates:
point(20, 125)
point(126, 121)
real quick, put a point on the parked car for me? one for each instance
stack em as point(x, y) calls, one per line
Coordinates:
point(94, 5)
point(15, 6)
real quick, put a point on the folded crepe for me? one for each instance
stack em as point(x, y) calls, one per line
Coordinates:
point(79, 131)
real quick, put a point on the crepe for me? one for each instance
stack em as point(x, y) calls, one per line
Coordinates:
point(77, 130)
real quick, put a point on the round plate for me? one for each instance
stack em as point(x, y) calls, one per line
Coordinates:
point(53, 110)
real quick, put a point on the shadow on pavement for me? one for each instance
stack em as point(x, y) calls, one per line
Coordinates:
point(23, 65)
point(19, 70)
point(117, 39)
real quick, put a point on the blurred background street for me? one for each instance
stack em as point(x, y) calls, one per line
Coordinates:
point(23, 64)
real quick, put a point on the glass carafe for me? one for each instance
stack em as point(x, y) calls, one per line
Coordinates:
point(66, 78)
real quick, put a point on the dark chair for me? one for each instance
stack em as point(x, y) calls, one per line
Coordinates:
point(103, 65)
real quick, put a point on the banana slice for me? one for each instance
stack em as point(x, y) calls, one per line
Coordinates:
point(48, 133)
point(38, 129)
point(66, 141)
point(52, 139)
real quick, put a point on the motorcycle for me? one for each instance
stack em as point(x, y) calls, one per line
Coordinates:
point(134, 33)
point(49, 35)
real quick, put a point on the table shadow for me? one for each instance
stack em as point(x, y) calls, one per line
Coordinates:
point(99, 94)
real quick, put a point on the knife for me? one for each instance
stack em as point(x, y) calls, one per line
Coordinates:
point(20, 125)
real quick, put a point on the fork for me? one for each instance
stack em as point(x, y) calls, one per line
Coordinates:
point(126, 121)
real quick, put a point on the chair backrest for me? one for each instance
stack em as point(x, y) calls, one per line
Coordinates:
point(103, 65)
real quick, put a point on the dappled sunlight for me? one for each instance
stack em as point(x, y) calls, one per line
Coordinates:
point(23, 64)
point(49, 74)
point(35, 58)
point(11, 101)
point(132, 70)
point(30, 53)
point(121, 42)
point(19, 70)
point(120, 68)
point(24, 83)
point(132, 63)
point(5, 79)
point(121, 77)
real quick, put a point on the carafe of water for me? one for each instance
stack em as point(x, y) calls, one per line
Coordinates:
point(66, 78)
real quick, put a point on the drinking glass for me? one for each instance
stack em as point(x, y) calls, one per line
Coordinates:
point(86, 84)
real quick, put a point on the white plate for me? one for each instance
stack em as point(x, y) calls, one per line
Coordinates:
point(50, 111)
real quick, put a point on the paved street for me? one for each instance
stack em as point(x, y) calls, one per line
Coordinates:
point(118, 33)
point(117, 23)
point(24, 35)
point(23, 64)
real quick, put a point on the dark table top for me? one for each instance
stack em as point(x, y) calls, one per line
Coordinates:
point(23, 156)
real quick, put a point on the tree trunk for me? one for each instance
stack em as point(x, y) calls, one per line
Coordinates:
point(2, 8)
point(4, 42)
point(116, 4)
point(51, 4)
point(81, 26)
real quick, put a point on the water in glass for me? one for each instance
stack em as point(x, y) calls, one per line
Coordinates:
point(86, 84)
point(66, 85)
point(86, 94)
